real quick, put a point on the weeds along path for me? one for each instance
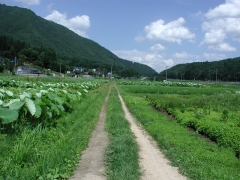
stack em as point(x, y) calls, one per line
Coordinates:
point(152, 162)
point(91, 166)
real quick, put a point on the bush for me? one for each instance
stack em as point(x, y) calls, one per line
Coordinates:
point(1, 68)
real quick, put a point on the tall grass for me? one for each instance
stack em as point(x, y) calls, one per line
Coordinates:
point(122, 152)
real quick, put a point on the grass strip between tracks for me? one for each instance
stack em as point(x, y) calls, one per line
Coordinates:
point(122, 151)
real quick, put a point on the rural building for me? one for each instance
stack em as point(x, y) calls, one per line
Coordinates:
point(21, 70)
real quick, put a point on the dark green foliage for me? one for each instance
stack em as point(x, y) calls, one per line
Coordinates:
point(23, 25)
point(1, 68)
point(224, 70)
point(18, 52)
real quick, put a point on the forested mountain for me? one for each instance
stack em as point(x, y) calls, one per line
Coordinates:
point(24, 26)
point(223, 70)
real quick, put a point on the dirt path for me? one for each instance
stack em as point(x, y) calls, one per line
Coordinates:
point(153, 163)
point(91, 166)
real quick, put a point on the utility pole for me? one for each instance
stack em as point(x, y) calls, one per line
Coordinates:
point(112, 66)
point(111, 72)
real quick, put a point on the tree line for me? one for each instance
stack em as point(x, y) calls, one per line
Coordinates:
point(223, 70)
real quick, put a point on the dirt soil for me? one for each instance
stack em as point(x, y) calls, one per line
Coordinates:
point(91, 165)
point(154, 165)
point(152, 162)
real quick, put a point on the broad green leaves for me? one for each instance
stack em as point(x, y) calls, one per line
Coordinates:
point(16, 105)
point(42, 101)
point(31, 106)
point(8, 115)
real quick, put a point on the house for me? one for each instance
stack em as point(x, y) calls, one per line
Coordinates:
point(21, 70)
point(109, 74)
point(78, 69)
point(70, 74)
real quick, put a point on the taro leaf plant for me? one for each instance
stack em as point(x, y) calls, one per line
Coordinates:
point(39, 102)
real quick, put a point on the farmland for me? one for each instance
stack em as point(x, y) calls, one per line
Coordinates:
point(49, 126)
point(196, 126)
point(47, 123)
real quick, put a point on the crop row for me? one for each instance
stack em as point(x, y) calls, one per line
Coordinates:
point(160, 83)
point(216, 125)
point(36, 102)
point(195, 157)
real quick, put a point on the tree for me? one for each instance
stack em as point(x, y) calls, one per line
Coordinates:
point(28, 55)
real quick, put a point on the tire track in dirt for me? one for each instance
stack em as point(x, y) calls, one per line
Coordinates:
point(152, 162)
point(92, 164)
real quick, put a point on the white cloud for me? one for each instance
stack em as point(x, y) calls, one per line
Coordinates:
point(223, 23)
point(223, 47)
point(154, 60)
point(185, 55)
point(78, 24)
point(213, 56)
point(157, 47)
point(214, 36)
point(29, 2)
point(173, 31)
point(139, 38)
point(160, 62)
point(157, 61)
point(182, 55)
point(199, 13)
point(231, 8)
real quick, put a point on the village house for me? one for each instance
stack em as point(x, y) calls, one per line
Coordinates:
point(23, 70)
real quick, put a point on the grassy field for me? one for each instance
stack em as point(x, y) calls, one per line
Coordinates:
point(169, 115)
point(196, 126)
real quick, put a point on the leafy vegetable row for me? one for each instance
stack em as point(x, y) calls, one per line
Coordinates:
point(164, 83)
point(41, 102)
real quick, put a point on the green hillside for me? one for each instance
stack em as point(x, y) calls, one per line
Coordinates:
point(24, 25)
point(223, 70)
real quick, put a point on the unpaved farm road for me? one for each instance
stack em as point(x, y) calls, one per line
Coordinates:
point(152, 162)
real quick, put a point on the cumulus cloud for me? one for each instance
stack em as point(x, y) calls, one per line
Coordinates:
point(154, 60)
point(229, 9)
point(160, 62)
point(214, 36)
point(223, 47)
point(184, 55)
point(174, 31)
point(78, 24)
point(29, 2)
point(157, 47)
point(214, 56)
point(223, 23)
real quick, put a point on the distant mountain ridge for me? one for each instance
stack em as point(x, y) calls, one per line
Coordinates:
point(25, 25)
point(222, 70)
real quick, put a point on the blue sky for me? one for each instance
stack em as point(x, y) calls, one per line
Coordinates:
point(159, 33)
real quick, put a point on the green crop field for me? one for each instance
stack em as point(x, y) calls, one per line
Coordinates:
point(46, 123)
point(196, 126)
